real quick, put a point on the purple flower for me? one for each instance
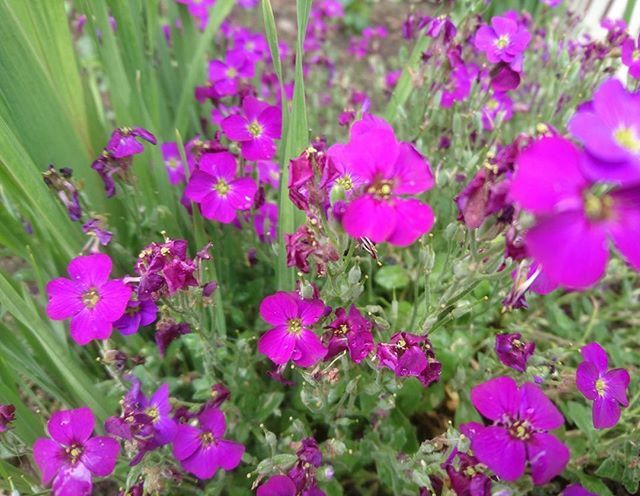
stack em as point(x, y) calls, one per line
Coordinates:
point(389, 170)
point(498, 108)
point(466, 478)
point(458, 87)
point(269, 172)
point(573, 223)
point(577, 490)
point(164, 269)
point(606, 388)
point(139, 313)
point(255, 129)
point(217, 189)
point(7, 416)
point(172, 162)
point(609, 128)
point(124, 141)
point(145, 422)
point(225, 75)
point(167, 331)
point(436, 26)
point(521, 419)
point(503, 78)
point(96, 228)
point(278, 485)
point(291, 338)
point(201, 450)
point(304, 473)
point(410, 355)
point(505, 40)
point(349, 331)
point(72, 457)
point(265, 222)
point(631, 57)
point(89, 298)
point(512, 351)
point(60, 182)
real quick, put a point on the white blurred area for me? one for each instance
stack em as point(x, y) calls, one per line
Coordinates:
point(614, 9)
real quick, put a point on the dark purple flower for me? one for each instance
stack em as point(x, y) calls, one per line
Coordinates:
point(513, 351)
point(410, 355)
point(606, 388)
point(139, 313)
point(255, 129)
point(466, 476)
point(349, 331)
point(307, 245)
point(436, 26)
point(167, 331)
point(519, 434)
point(278, 485)
point(577, 490)
point(201, 450)
point(124, 142)
point(219, 394)
point(59, 181)
point(72, 457)
point(7, 416)
point(95, 227)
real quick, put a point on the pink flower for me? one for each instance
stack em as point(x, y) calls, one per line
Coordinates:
point(631, 57)
point(201, 450)
point(573, 223)
point(172, 162)
point(217, 189)
point(291, 337)
point(389, 169)
point(225, 75)
point(349, 331)
point(255, 129)
point(89, 298)
point(606, 388)
point(505, 40)
point(72, 457)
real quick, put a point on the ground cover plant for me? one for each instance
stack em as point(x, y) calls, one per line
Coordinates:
point(256, 249)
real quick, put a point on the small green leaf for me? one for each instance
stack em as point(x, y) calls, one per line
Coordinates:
point(392, 277)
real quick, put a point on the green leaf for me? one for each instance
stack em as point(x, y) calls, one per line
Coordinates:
point(392, 277)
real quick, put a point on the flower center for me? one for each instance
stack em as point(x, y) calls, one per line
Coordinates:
point(172, 163)
point(503, 41)
point(153, 413)
point(492, 104)
point(627, 138)
point(294, 326)
point(74, 451)
point(345, 182)
point(91, 298)
point(601, 387)
point(231, 72)
point(255, 129)
point(401, 344)
point(342, 329)
point(381, 189)
point(635, 55)
point(131, 311)
point(207, 439)
point(598, 208)
point(520, 429)
point(222, 187)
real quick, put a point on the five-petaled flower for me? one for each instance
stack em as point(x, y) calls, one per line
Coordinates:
point(505, 40)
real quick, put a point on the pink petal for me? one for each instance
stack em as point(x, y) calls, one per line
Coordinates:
point(496, 397)
point(414, 219)
point(309, 349)
point(277, 344)
point(278, 308)
point(114, 297)
point(260, 148)
point(100, 455)
point(548, 457)
point(413, 174)
point(230, 454)
point(217, 70)
point(212, 419)
point(235, 128)
point(271, 120)
point(485, 38)
point(278, 485)
point(504, 455)
point(572, 251)
point(71, 426)
point(204, 463)
point(253, 107)
point(219, 165)
point(311, 311)
point(371, 218)
point(65, 298)
point(586, 377)
point(186, 442)
point(216, 207)
point(374, 154)
point(199, 186)
point(605, 413)
point(241, 193)
point(587, 127)
point(49, 457)
point(597, 355)
point(86, 326)
point(90, 270)
point(538, 409)
point(626, 226)
point(617, 381)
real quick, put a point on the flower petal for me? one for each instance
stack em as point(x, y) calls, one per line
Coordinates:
point(114, 297)
point(49, 457)
point(605, 413)
point(230, 454)
point(199, 186)
point(90, 270)
point(496, 397)
point(65, 298)
point(71, 426)
point(413, 173)
point(548, 457)
point(371, 218)
point(236, 128)
point(86, 326)
point(204, 463)
point(538, 409)
point(586, 377)
point(617, 381)
point(241, 193)
point(278, 308)
point(100, 455)
point(216, 207)
point(259, 148)
point(278, 485)
point(308, 350)
point(277, 344)
point(219, 165)
point(186, 442)
point(414, 219)
point(213, 420)
point(504, 455)
point(597, 355)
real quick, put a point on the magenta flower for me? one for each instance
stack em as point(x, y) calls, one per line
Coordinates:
point(349, 332)
point(278, 485)
point(519, 434)
point(577, 490)
point(606, 388)
point(225, 75)
point(255, 129)
point(139, 313)
point(631, 57)
point(7, 416)
point(217, 189)
point(265, 222)
point(172, 162)
point(573, 224)
point(505, 40)
point(609, 128)
point(390, 170)
point(513, 351)
point(409, 355)
point(124, 141)
point(72, 457)
point(498, 108)
point(291, 337)
point(201, 450)
point(89, 298)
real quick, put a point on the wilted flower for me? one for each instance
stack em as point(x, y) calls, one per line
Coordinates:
point(89, 298)
point(349, 332)
point(60, 182)
point(409, 355)
point(167, 331)
point(291, 337)
point(201, 450)
point(466, 476)
point(606, 388)
point(307, 245)
point(124, 142)
point(255, 129)
point(522, 417)
point(573, 223)
point(7, 416)
point(72, 457)
point(513, 351)
point(95, 227)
